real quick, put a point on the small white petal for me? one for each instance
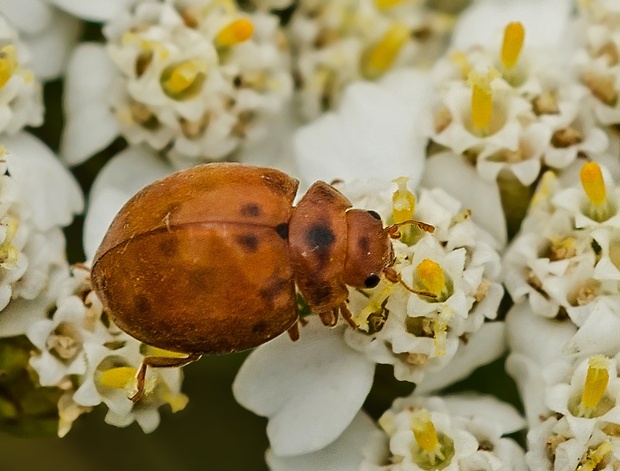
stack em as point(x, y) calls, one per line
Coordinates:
point(345, 454)
point(93, 10)
point(486, 407)
point(483, 347)
point(306, 411)
point(452, 174)
point(52, 193)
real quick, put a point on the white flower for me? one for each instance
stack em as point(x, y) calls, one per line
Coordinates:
point(93, 11)
point(37, 197)
point(20, 92)
point(195, 81)
point(48, 32)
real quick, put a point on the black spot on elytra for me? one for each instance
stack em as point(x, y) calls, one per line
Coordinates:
point(169, 247)
point(259, 327)
point(282, 230)
point(142, 303)
point(248, 241)
point(320, 236)
point(363, 244)
point(250, 210)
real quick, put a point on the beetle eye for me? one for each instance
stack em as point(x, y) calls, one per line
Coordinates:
point(374, 214)
point(372, 281)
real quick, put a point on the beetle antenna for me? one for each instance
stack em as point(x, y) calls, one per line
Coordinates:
point(393, 276)
point(394, 232)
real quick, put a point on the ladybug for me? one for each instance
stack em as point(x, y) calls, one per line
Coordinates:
point(208, 260)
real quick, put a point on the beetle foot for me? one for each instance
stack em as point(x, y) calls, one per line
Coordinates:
point(329, 318)
point(293, 331)
point(347, 315)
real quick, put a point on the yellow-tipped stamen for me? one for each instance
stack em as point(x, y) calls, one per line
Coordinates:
point(183, 80)
point(440, 332)
point(430, 277)
point(118, 378)
point(461, 61)
point(386, 4)
point(236, 32)
point(595, 385)
point(8, 63)
point(403, 201)
point(177, 401)
point(595, 457)
point(593, 183)
point(514, 33)
point(424, 431)
point(378, 59)
point(481, 99)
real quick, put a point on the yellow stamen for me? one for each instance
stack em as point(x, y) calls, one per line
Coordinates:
point(424, 431)
point(514, 34)
point(379, 58)
point(236, 32)
point(118, 378)
point(481, 98)
point(385, 4)
point(8, 63)
point(183, 80)
point(403, 201)
point(593, 183)
point(8, 252)
point(595, 457)
point(376, 305)
point(595, 385)
point(177, 401)
point(430, 277)
point(160, 352)
point(440, 332)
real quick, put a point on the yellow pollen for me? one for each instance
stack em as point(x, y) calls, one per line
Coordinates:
point(430, 277)
point(514, 34)
point(385, 4)
point(424, 431)
point(8, 252)
point(379, 58)
point(595, 386)
point(595, 457)
point(236, 32)
point(482, 98)
point(593, 183)
point(8, 63)
point(403, 201)
point(118, 378)
point(184, 77)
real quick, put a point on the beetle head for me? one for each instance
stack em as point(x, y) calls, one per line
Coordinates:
point(369, 249)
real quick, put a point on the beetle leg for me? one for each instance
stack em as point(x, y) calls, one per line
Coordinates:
point(394, 233)
point(329, 318)
point(293, 331)
point(394, 277)
point(347, 315)
point(159, 362)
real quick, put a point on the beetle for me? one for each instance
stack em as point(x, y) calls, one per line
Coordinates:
point(208, 260)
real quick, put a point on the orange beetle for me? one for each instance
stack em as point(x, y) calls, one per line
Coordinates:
point(206, 261)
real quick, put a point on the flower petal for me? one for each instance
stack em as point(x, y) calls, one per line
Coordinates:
point(93, 11)
point(310, 389)
point(345, 454)
point(52, 193)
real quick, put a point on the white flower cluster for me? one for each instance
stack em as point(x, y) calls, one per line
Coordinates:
point(515, 106)
point(336, 42)
point(195, 80)
point(81, 352)
point(562, 271)
point(450, 433)
point(456, 266)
